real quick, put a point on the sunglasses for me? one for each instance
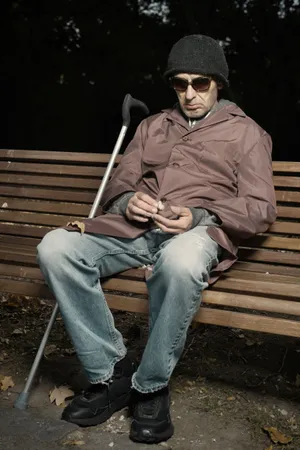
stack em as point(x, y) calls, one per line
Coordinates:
point(199, 84)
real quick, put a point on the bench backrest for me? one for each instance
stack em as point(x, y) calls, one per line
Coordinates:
point(41, 190)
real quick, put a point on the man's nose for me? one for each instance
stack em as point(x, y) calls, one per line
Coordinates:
point(190, 93)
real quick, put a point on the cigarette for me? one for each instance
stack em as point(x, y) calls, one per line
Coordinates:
point(160, 205)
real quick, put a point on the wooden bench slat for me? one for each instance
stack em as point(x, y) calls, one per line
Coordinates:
point(53, 156)
point(18, 257)
point(285, 228)
point(286, 166)
point(233, 284)
point(245, 321)
point(52, 169)
point(267, 304)
point(288, 212)
point(25, 288)
point(54, 193)
point(32, 218)
point(96, 171)
point(16, 240)
point(278, 257)
point(82, 210)
point(24, 230)
point(269, 268)
point(245, 254)
point(48, 207)
point(39, 180)
point(274, 242)
point(21, 249)
point(287, 196)
point(209, 296)
point(235, 273)
point(91, 182)
point(262, 287)
point(230, 319)
point(21, 271)
point(237, 281)
point(284, 181)
point(44, 155)
point(290, 258)
point(49, 194)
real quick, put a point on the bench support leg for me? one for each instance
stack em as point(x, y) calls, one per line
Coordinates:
point(22, 400)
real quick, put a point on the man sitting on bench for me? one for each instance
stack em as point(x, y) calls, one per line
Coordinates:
point(193, 182)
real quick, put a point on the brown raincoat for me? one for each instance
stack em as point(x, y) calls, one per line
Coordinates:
point(223, 164)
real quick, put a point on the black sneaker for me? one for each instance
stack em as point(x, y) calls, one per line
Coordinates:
point(151, 422)
point(98, 403)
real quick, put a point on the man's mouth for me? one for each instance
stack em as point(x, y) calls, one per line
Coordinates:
point(192, 107)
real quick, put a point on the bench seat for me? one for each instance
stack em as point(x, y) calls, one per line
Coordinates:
point(41, 190)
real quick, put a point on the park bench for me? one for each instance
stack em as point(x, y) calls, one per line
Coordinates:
point(42, 190)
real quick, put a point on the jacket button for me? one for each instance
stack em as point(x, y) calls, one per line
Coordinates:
point(185, 139)
point(175, 165)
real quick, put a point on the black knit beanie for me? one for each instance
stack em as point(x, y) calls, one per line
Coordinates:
point(195, 54)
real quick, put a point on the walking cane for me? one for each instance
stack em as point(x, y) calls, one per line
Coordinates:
point(128, 103)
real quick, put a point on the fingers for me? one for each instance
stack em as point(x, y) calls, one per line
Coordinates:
point(142, 204)
point(138, 214)
point(141, 207)
point(174, 226)
point(168, 223)
point(145, 198)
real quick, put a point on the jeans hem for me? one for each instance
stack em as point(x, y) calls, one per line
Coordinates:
point(105, 378)
point(150, 390)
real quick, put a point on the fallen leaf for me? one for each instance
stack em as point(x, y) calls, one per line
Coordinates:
point(69, 351)
point(230, 398)
point(17, 331)
point(49, 349)
point(72, 442)
point(277, 437)
point(77, 224)
point(6, 383)
point(59, 394)
point(180, 391)
point(270, 448)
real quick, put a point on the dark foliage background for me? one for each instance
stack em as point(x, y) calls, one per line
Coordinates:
point(66, 66)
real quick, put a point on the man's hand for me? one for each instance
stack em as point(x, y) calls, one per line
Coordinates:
point(141, 207)
point(175, 226)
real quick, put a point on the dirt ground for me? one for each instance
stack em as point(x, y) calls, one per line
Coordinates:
point(228, 385)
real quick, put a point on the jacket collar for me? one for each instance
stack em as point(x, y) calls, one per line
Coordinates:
point(222, 111)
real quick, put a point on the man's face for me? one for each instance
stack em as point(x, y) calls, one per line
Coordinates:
point(195, 103)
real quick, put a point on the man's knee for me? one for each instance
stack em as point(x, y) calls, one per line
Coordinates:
point(187, 258)
point(54, 247)
point(179, 262)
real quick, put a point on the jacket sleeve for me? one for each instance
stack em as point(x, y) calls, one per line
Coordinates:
point(129, 171)
point(119, 206)
point(254, 209)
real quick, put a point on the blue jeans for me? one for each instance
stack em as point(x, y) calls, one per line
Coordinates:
point(72, 265)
